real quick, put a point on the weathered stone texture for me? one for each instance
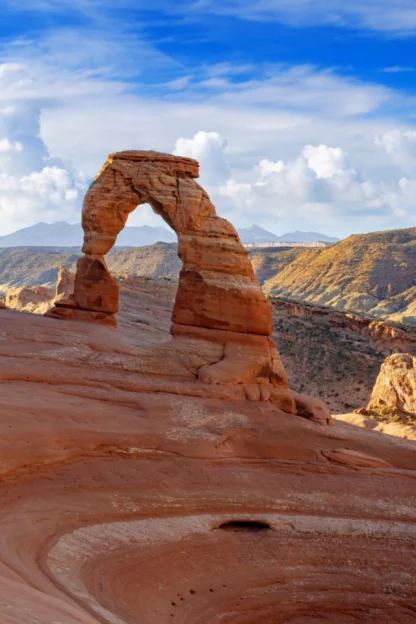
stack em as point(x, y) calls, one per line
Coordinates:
point(64, 284)
point(395, 387)
point(218, 300)
point(217, 286)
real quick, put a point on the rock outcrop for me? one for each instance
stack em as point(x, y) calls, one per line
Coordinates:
point(395, 388)
point(217, 287)
point(64, 284)
point(40, 299)
point(34, 299)
point(219, 302)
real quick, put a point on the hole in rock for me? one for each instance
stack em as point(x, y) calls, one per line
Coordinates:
point(245, 525)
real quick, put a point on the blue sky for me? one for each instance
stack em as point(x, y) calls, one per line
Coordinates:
point(302, 113)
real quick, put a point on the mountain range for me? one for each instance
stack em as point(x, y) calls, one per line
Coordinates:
point(62, 234)
point(256, 235)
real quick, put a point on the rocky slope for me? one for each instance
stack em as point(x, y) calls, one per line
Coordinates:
point(159, 260)
point(39, 266)
point(34, 266)
point(327, 354)
point(369, 273)
point(30, 266)
point(333, 355)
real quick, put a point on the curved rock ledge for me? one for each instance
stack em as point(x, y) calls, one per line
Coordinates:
point(190, 570)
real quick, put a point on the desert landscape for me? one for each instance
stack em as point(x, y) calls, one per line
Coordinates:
point(207, 312)
point(331, 351)
point(157, 463)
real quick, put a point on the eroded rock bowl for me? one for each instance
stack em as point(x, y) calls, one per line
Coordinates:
point(238, 567)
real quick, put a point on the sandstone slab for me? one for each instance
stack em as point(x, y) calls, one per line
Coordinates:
point(130, 492)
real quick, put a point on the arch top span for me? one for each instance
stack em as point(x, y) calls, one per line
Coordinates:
point(180, 164)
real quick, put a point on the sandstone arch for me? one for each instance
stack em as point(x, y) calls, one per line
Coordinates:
point(218, 300)
point(217, 287)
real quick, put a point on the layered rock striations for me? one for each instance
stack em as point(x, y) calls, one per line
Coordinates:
point(366, 274)
point(131, 493)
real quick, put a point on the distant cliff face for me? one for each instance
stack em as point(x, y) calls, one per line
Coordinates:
point(335, 355)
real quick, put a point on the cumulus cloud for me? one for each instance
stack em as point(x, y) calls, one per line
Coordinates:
point(400, 146)
point(33, 186)
point(319, 184)
point(291, 122)
point(208, 148)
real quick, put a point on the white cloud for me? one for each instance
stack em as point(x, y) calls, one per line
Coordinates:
point(208, 149)
point(8, 146)
point(397, 69)
point(91, 107)
point(325, 161)
point(398, 17)
point(400, 145)
point(33, 186)
point(319, 186)
point(393, 17)
point(266, 167)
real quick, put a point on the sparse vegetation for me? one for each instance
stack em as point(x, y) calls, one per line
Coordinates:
point(372, 274)
point(391, 414)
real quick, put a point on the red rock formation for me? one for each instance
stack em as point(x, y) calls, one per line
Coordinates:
point(217, 287)
point(130, 493)
point(64, 284)
point(34, 299)
point(395, 387)
point(218, 300)
point(39, 299)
